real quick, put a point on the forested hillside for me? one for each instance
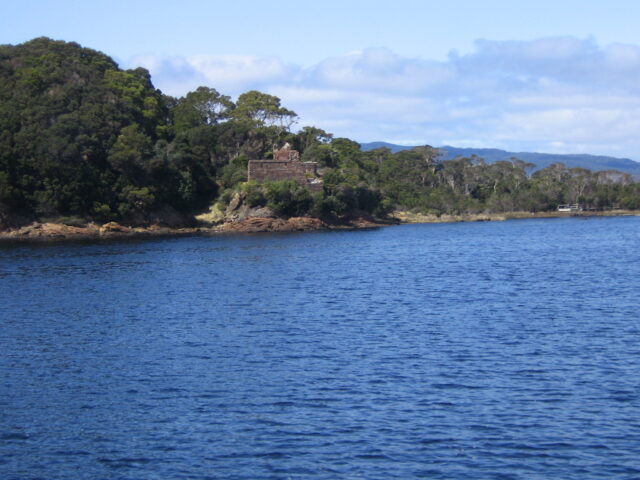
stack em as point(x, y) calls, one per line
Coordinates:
point(541, 160)
point(81, 138)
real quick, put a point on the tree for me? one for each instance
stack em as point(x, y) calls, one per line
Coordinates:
point(428, 161)
point(311, 136)
point(204, 106)
point(130, 153)
point(263, 110)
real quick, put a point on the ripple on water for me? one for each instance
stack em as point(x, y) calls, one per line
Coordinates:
point(427, 351)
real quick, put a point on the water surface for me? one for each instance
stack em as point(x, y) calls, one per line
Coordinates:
point(503, 350)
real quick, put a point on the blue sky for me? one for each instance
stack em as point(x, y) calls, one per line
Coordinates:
point(555, 76)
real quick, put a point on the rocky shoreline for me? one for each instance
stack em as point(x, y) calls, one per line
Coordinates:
point(51, 232)
point(46, 232)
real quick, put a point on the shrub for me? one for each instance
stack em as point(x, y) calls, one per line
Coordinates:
point(255, 194)
point(288, 198)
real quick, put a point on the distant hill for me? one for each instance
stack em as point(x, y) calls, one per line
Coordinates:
point(541, 160)
point(391, 146)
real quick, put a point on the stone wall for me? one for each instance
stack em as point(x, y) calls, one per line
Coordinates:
point(286, 165)
point(286, 154)
point(305, 173)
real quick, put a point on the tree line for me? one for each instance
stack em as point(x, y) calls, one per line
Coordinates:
point(80, 137)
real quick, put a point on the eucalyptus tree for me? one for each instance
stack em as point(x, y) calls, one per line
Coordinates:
point(203, 106)
point(263, 110)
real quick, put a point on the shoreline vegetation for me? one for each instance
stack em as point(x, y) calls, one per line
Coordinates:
point(89, 150)
point(60, 232)
point(409, 217)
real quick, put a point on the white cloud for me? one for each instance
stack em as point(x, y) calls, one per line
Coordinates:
point(380, 70)
point(229, 74)
point(561, 94)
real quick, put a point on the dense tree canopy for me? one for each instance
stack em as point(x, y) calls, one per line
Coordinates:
point(81, 137)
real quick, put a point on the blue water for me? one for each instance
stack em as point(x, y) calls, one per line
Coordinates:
point(505, 350)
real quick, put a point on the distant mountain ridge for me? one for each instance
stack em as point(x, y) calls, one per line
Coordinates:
point(541, 160)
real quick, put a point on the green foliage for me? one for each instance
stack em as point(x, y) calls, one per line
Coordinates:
point(255, 194)
point(135, 200)
point(262, 110)
point(288, 198)
point(81, 138)
point(102, 212)
point(234, 172)
point(324, 155)
point(130, 154)
point(75, 130)
point(204, 106)
point(309, 137)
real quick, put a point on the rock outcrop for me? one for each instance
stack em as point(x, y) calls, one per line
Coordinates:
point(59, 231)
point(258, 224)
point(37, 230)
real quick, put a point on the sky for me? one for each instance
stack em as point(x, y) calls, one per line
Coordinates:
point(557, 76)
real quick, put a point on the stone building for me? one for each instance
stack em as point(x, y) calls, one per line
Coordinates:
point(286, 165)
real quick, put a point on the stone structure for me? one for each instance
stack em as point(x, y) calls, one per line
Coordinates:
point(286, 154)
point(286, 165)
